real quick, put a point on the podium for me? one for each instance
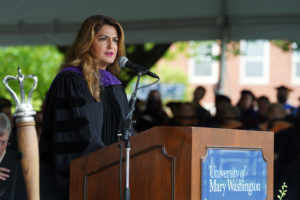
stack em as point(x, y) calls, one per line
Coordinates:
point(165, 163)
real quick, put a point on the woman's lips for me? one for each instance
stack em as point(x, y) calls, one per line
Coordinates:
point(109, 53)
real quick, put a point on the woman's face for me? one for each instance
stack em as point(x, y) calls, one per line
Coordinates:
point(105, 46)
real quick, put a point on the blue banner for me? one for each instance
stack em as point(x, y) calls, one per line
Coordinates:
point(233, 174)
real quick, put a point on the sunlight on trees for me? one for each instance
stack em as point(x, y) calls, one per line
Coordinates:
point(42, 61)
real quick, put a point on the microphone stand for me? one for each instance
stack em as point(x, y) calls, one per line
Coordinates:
point(126, 136)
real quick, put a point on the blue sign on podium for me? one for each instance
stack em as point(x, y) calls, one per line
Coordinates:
point(233, 174)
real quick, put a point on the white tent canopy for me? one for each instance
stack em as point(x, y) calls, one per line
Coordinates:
point(34, 22)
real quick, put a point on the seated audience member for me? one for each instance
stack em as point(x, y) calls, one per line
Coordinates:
point(282, 98)
point(220, 102)
point(228, 117)
point(138, 110)
point(13, 154)
point(5, 107)
point(202, 115)
point(154, 114)
point(246, 108)
point(184, 114)
point(8, 161)
point(175, 112)
point(262, 105)
point(187, 115)
point(275, 119)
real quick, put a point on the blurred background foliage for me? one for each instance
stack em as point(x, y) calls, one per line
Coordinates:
point(41, 61)
point(44, 62)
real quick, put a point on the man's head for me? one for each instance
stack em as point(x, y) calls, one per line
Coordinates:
point(199, 93)
point(5, 129)
point(282, 94)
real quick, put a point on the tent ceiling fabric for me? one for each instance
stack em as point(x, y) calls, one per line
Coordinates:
point(35, 22)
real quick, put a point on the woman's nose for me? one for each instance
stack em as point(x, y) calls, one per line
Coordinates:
point(109, 43)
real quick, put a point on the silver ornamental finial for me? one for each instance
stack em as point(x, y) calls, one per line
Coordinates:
point(24, 110)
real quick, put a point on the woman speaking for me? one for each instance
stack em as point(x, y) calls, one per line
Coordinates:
point(86, 104)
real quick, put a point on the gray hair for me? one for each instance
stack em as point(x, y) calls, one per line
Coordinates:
point(5, 126)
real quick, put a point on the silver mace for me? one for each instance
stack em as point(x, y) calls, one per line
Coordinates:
point(26, 134)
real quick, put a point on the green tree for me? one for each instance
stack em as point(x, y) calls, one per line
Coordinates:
point(167, 72)
point(41, 61)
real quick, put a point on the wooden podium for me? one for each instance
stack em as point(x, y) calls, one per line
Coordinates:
point(165, 163)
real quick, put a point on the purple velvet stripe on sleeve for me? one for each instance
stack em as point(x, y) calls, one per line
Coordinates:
point(106, 77)
point(74, 69)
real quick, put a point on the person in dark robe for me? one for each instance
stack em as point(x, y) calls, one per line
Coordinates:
point(282, 95)
point(6, 108)
point(8, 161)
point(14, 186)
point(248, 115)
point(203, 115)
point(86, 105)
point(154, 114)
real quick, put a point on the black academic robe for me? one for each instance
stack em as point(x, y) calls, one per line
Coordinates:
point(7, 188)
point(74, 124)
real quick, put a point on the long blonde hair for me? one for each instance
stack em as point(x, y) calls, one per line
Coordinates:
point(79, 53)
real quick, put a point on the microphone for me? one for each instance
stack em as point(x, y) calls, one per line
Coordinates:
point(124, 62)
